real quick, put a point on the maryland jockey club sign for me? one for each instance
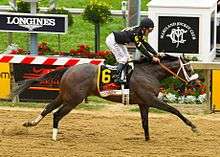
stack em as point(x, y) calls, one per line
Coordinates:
point(39, 23)
point(178, 34)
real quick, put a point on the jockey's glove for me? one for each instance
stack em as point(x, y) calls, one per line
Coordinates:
point(161, 54)
point(156, 60)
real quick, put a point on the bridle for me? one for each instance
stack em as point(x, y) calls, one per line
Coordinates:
point(187, 78)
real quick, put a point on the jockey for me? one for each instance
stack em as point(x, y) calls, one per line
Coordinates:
point(116, 41)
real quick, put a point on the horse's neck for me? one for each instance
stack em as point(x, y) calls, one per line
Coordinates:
point(157, 71)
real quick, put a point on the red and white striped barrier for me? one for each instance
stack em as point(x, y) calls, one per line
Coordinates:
point(43, 60)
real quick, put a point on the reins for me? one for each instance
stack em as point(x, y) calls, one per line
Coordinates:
point(174, 74)
point(187, 78)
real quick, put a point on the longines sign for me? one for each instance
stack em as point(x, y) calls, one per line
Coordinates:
point(39, 23)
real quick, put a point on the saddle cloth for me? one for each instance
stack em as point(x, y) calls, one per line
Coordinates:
point(105, 83)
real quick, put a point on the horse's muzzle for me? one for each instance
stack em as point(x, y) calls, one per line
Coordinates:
point(193, 77)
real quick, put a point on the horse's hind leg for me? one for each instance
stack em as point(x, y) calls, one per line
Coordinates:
point(49, 108)
point(64, 110)
point(52, 106)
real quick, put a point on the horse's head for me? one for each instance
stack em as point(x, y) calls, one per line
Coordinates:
point(188, 71)
point(179, 67)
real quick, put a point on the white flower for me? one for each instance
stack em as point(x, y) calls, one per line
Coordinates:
point(181, 99)
point(10, 48)
point(161, 96)
point(201, 98)
point(190, 99)
point(171, 97)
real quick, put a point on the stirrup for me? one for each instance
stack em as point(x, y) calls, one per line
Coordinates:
point(120, 81)
point(115, 76)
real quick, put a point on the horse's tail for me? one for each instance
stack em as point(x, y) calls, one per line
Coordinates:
point(22, 85)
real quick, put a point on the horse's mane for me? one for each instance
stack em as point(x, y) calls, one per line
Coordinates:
point(168, 58)
point(165, 58)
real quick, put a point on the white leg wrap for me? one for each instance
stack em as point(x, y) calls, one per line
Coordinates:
point(55, 132)
point(38, 119)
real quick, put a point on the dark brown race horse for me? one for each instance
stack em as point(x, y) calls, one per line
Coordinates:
point(78, 82)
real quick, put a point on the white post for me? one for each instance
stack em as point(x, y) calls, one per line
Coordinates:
point(13, 4)
point(124, 6)
point(52, 4)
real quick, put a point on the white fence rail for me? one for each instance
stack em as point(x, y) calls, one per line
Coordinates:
point(76, 11)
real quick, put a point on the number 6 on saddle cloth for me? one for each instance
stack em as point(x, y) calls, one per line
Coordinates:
point(106, 85)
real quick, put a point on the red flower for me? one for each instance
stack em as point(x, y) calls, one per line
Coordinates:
point(62, 53)
point(20, 51)
point(103, 53)
point(83, 47)
point(44, 48)
point(73, 52)
point(40, 53)
point(13, 52)
point(162, 90)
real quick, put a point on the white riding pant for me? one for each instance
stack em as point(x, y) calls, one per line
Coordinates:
point(120, 51)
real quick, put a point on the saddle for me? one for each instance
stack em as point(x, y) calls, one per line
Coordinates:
point(106, 85)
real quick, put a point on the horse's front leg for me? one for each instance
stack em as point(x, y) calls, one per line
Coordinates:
point(144, 119)
point(156, 103)
point(165, 107)
point(151, 99)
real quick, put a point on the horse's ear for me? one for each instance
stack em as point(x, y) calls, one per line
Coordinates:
point(184, 56)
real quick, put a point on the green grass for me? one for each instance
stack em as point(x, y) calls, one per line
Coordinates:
point(153, 110)
point(95, 103)
point(22, 104)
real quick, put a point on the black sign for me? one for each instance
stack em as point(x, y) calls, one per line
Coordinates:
point(45, 90)
point(39, 23)
point(178, 34)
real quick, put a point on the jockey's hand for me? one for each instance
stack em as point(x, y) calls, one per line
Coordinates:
point(155, 59)
point(161, 54)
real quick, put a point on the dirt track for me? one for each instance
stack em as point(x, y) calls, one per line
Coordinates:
point(108, 133)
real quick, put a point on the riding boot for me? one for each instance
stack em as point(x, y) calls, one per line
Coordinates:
point(117, 77)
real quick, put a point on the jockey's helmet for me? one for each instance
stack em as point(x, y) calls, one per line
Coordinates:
point(147, 23)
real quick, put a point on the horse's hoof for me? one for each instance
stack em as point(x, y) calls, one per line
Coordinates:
point(147, 138)
point(54, 139)
point(195, 130)
point(27, 124)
